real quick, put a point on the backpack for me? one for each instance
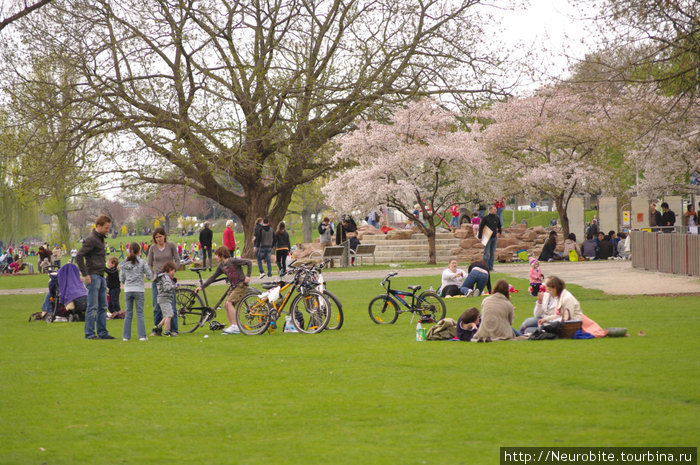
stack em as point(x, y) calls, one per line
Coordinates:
point(443, 330)
point(233, 273)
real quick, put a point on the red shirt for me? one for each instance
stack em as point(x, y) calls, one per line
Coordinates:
point(499, 204)
point(229, 239)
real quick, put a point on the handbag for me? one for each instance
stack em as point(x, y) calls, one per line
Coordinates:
point(568, 328)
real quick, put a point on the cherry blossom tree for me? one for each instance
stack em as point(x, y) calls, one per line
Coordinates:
point(420, 157)
point(560, 142)
point(666, 150)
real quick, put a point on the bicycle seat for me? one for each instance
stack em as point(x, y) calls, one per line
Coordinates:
point(414, 288)
point(270, 285)
point(197, 269)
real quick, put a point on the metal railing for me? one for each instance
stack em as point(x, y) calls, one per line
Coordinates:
point(667, 253)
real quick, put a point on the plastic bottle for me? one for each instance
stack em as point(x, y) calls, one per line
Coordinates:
point(419, 332)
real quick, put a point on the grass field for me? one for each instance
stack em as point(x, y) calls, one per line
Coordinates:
point(366, 394)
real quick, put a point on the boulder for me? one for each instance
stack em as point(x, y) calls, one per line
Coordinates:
point(368, 229)
point(513, 248)
point(469, 243)
point(529, 235)
point(507, 241)
point(539, 230)
point(504, 257)
point(464, 233)
point(398, 234)
point(456, 251)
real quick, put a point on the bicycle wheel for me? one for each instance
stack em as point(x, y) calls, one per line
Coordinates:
point(310, 312)
point(431, 304)
point(253, 315)
point(383, 310)
point(336, 310)
point(190, 309)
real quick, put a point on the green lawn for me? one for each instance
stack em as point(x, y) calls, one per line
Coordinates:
point(364, 394)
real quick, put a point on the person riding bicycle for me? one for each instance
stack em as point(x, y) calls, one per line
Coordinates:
point(233, 267)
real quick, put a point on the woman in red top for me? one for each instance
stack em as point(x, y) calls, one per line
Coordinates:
point(229, 239)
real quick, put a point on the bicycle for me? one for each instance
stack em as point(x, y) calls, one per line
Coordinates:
point(193, 312)
point(314, 278)
point(310, 311)
point(385, 309)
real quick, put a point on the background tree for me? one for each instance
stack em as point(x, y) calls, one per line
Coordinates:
point(55, 160)
point(11, 11)
point(421, 157)
point(166, 203)
point(649, 42)
point(559, 142)
point(308, 201)
point(210, 92)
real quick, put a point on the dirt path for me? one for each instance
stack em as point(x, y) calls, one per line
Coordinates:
point(611, 277)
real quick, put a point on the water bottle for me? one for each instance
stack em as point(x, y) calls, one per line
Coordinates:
point(431, 288)
point(419, 332)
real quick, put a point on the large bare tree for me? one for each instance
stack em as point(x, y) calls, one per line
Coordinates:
point(236, 99)
point(14, 10)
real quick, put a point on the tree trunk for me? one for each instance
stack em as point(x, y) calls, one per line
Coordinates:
point(306, 227)
point(563, 217)
point(260, 206)
point(432, 256)
point(63, 228)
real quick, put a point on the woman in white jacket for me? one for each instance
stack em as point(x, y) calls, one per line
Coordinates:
point(566, 303)
point(452, 279)
point(545, 306)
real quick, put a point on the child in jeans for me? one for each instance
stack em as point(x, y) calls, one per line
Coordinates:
point(113, 287)
point(536, 277)
point(166, 290)
point(131, 274)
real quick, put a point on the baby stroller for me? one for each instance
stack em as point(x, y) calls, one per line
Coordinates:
point(67, 297)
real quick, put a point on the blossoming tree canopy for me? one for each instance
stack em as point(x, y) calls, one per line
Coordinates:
point(420, 157)
point(557, 142)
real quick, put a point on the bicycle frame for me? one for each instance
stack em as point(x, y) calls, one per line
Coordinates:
point(400, 296)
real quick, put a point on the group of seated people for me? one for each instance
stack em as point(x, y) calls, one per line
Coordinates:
point(495, 321)
point(602, 247)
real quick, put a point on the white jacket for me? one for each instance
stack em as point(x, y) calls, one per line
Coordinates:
point(568, 306)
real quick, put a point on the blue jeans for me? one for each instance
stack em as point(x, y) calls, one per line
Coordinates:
point(96, 312)
point(206, 253)
point(131, 300)
point(474, 277)
point(454, 222)
point(158, 314)
point(529, 323)
point(47, 306)
point(374, 223)
point(499, 212)
point(264, 254)
point(490, 251)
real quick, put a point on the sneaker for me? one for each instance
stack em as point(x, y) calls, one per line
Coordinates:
point(143, 339)
point(125, 339)
point(166, 333)
point(262, 275)
point(109, 336)
point(470, 292)
point(233, 329)
point(173, 334)
point(157, 331)
point(477, 293)
point(92, 336)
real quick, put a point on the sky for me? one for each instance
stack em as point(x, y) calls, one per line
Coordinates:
point(555, 33)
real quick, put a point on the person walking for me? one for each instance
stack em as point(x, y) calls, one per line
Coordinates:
point(494, 224)
point(229, 238)
point(264, 241)
point(282, 246)
point(205, 240)
point(91, 260)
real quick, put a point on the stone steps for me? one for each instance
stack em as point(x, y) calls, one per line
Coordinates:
point(411, 250)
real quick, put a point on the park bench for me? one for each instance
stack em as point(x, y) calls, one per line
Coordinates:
point(364, 250)
point(332, 252)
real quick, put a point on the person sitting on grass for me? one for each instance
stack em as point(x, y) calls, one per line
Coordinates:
point(567, 305)
point(233, 267)
point(166, 293)
point(545, 306)
point(452, 279)
point(478, 277)
point(468, 324)
point(497, 315)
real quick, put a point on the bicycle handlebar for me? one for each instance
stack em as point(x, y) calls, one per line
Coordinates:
point(388, 277)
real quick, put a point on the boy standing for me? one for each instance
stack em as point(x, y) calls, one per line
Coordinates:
point(233, 267)
point(166, 291)
point(91, 262)
point(113, 287)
